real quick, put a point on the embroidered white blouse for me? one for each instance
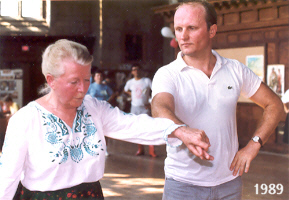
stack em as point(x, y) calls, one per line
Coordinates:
point(46, 154)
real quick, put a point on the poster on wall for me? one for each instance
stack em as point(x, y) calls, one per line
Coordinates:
point(275, 78)
point(256, 64)
point(11, 82)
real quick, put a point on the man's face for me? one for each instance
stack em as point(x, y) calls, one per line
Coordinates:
point(135, 71)
point(71, 87)
point(191, 29)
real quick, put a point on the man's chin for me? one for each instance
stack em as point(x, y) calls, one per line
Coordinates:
point(186, 50)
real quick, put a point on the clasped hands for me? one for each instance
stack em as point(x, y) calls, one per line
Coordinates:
point(196, 141)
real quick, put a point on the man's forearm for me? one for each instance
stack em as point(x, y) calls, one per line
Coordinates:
point(273, 111)
point(166, 113)
point(159, 109)
point(271, 117)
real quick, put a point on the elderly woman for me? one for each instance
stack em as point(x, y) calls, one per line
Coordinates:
point(55, 145)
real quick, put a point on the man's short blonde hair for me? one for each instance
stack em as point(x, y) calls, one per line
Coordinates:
point(211, 15)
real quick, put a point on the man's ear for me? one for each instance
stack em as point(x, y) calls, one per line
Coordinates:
point(50, 80)
point(213, 30)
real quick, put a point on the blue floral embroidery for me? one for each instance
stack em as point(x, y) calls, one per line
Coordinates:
point(65, 146)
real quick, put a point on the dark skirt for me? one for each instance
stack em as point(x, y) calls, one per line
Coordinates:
point(82, 191)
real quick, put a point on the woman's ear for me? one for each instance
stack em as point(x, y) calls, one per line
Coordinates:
point(50, 80)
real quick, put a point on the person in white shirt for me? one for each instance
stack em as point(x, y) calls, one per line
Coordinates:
point(200, 89)
point(139, 88)
point(55, 145)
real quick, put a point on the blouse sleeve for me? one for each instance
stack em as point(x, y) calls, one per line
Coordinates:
point(141, 129)
point(14, 152)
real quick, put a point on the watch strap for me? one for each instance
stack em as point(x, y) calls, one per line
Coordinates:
point(257, 139)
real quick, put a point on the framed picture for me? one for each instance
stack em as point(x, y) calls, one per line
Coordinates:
point(256, 64)
point(276, 78)
point(11, 82)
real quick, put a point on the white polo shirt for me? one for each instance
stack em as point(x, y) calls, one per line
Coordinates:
point(208, 104)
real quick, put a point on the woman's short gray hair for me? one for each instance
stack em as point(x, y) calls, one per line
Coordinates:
point(54, 55)
point(62, 49)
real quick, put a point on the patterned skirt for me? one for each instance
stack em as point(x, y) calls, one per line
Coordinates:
point(82, 191)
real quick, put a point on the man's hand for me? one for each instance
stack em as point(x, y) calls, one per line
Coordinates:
point(196, 141)
point(244, 157)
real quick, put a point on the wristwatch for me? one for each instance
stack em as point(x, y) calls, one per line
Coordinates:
point(257, 139)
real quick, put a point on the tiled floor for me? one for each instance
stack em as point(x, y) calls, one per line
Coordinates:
point(130, 177)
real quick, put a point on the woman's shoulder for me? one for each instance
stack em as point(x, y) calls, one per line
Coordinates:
point(92, 101)
point(96, 108)
point(25, 113)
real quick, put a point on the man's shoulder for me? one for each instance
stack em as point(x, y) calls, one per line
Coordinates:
point(172, 65)
point(129, 81)
point(128, 84)
point(226, 61)
point(171, 68)
point(146, 79)
point(233, 64)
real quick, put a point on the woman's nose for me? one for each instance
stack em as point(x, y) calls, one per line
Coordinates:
point(82, 86)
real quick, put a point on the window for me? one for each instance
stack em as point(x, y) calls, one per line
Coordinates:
point(23, 8)
point(32, 8)
point(9, 8)
point(24, 16)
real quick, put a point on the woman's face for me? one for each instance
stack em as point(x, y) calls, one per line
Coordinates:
point(71, 87)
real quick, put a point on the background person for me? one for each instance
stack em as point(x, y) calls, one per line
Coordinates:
point(201, 89)
point(99, 90)
point(9, 106)
point(139, 88)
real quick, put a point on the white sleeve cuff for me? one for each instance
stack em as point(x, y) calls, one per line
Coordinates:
point(172, 142)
